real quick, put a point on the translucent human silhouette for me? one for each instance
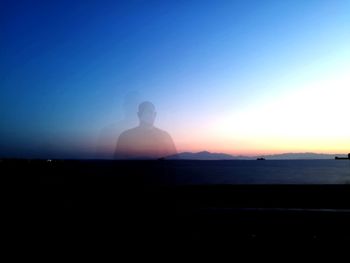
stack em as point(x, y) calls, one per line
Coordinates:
point(145, 141)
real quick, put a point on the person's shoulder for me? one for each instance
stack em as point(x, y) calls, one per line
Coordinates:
point(129, 132)
point(162, 132)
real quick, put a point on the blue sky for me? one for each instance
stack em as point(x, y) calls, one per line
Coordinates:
point(66, 67)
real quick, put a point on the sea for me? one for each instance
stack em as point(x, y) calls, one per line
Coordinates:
point(259, 172)
point(190, 172)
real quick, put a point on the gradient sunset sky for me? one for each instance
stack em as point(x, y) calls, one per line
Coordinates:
point(241, 77)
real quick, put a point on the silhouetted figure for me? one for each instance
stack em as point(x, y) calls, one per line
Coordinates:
point(349, 155)
point(145, 141)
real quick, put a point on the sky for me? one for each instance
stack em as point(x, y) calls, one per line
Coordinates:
point(241, 77)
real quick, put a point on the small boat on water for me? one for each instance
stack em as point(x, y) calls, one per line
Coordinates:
point(343, 158)
point(260, 159)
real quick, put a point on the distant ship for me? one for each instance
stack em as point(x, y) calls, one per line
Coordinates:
point(261, 159)
point(343, 158)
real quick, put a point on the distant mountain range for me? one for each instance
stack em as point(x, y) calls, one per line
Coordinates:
point(205, 155)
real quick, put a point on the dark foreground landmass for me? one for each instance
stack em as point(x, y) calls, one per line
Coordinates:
point(136, 203)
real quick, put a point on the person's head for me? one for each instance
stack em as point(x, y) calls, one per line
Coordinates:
point(147, 113)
